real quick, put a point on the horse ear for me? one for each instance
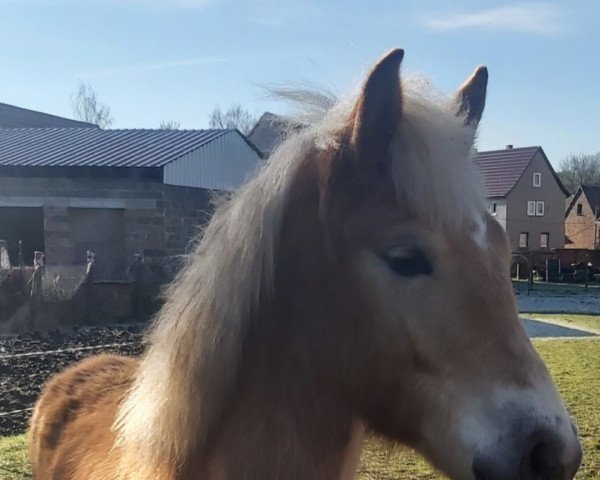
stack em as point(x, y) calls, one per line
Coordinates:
point(377, 111)
point(471, 96)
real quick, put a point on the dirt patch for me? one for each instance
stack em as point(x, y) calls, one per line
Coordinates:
point(27, 361)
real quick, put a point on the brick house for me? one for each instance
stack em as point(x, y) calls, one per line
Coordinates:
point(582, 219)
point(115, 192)
point(526, 196)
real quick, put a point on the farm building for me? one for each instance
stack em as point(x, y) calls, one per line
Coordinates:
point(269, 131)
point(17, 117)
point(118, 193)
point(526, 196)
point(583, 219)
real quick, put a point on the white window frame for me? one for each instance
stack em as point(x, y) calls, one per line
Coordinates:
point(542, 235)
point(537, 176)
point(540, 208)
point(526, 234)
point(531, 209)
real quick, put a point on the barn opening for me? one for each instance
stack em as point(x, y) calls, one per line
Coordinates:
point(103, 232)
point(25, 224)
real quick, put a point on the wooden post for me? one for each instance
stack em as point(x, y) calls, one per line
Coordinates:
point(90, 266)
point(89, 283)
point(38, 274)
point(4, 258)
point(20, 254)
point(136, 277)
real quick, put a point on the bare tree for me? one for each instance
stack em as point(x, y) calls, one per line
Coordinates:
point(169, 125)
point(579, 169)
point(88, 108)
point(235, 117)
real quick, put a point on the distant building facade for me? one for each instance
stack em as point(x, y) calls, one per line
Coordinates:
point(526, 196)
point(583, 219)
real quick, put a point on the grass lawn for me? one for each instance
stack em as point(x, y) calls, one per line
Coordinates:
point(585, 322)
point(574, 363)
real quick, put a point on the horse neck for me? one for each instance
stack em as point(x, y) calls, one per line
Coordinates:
point(286, 418)
point(282, 422)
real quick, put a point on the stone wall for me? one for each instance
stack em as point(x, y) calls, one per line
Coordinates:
point(157, 220)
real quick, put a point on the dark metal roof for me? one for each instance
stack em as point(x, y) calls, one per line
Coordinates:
point(17, 117)
point(502, 169)
point(592, 194)
point(93, 147)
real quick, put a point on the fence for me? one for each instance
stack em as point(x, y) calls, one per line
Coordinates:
point(41, 297)
point(26, 367)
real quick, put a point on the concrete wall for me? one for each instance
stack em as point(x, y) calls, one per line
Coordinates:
point(552, 222)
point(582, 230)
point(125, 216)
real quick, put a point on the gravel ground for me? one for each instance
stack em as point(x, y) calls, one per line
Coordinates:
point(22, 376)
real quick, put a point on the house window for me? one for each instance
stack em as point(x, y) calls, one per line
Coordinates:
point(539, 209)
point(494, 208)
point(579, 209)
point(531, 209)
point(544, 240)
point(537, 179)
point(523, 239)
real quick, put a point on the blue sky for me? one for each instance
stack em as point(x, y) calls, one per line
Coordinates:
point(154, 60)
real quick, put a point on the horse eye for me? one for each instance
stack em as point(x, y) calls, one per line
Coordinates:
point(408, 261)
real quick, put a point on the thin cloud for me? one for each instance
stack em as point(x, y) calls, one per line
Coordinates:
point(169, 4)
point(154, 66)
point(536, 18)
point(145, 4)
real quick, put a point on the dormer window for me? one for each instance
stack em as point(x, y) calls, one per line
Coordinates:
point(537, 179)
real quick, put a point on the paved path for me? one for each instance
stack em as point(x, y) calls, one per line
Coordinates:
point(538, 329)
point(584, 303)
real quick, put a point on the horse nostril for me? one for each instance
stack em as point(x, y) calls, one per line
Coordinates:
point(542, 463)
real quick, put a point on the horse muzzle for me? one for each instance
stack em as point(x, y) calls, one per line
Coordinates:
point(541, 454)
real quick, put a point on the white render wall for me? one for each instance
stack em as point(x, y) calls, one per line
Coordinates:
point(223, 164)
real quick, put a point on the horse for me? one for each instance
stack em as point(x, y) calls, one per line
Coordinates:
point(356, 285)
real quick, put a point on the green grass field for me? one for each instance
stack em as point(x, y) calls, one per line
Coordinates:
point(575, 365)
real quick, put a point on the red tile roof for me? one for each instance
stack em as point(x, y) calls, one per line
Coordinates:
point(502, 169)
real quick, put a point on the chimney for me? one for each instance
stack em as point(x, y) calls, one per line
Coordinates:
point(509, 147)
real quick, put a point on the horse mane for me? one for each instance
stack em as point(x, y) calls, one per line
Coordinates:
point(190, 367)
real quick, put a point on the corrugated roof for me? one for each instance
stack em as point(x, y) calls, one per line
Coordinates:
point(93, 147)
point(17, 117)
point(501, 169)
